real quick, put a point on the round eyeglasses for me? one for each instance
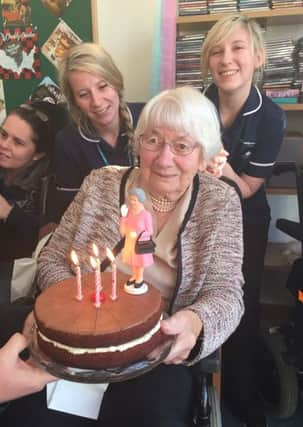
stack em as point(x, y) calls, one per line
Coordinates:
point(156, 143)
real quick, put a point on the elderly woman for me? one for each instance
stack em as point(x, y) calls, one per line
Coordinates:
point(197, 264)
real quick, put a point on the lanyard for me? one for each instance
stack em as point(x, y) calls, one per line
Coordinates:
point(100, 151)
point(104, 158)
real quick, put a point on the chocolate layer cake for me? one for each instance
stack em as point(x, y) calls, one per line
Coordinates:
point(76, 333)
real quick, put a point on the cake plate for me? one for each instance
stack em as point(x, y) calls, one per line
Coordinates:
point(91, 376)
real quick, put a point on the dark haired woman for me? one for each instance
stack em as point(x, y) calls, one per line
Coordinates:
point(25, 140)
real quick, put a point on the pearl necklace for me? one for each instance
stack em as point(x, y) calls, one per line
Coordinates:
point(163, 205)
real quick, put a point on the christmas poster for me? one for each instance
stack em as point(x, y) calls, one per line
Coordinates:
point(16, 13)
point(19, 57)
point(60, 40)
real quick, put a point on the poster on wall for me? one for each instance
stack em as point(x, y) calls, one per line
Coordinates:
point(19, 54)
point(2, 103)
point(16, 13)
point(60, 40)
point(56, 7)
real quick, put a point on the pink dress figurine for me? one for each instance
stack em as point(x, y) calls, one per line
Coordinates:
point(136, 219)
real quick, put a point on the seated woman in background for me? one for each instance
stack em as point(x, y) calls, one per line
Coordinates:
point(198, 258)
point(25, 141)
point(101, 131)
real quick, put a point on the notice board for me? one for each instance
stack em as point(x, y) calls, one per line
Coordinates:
point(33, 36)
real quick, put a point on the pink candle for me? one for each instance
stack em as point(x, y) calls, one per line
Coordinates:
point(75, 260)
point(111, 257)
point(95, 263)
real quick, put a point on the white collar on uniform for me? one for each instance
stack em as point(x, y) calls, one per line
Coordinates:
point(247, 113)
point(96, 141)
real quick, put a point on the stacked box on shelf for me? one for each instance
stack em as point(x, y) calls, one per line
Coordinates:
point(279, 4)
point(192, 7)
point(188, 49)
point(222, 6)
point(246, 5)
point(278, 79)
point(283, 95)
point(298, 64)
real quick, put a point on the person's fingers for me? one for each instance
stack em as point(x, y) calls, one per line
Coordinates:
point(15, 345)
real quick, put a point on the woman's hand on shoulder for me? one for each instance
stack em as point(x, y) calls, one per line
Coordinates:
point(19, 378)
point(5, 208)
point(216, 164)
point(184, 326)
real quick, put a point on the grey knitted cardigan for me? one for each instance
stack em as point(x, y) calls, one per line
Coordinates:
point(209, 278)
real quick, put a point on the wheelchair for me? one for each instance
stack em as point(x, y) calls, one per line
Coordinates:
point(281, 346)
point(207, 405)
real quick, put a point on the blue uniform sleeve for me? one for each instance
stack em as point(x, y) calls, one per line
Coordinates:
point(67, 165)
point(269, 139)
point(68, 171)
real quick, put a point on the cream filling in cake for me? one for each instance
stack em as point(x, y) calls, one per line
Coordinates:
point(122, 347)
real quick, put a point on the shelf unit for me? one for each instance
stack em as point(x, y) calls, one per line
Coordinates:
point(272, 13)
point(291, 107)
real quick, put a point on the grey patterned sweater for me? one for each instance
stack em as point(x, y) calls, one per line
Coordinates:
point(209, 278)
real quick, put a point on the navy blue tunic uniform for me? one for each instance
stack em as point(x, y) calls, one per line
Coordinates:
point(76, 155)
point(253, 142)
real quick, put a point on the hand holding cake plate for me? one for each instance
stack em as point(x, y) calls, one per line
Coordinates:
point(91, 376)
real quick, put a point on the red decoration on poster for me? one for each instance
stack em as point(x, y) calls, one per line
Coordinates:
point(19, 57)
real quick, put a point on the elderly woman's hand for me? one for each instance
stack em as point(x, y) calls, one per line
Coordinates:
point(185, 326)
point(216, 164)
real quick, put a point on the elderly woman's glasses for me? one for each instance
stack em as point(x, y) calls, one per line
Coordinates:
point(42, 116)
point(156, 143)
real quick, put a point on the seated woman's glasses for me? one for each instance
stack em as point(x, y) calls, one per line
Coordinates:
point(156, 143)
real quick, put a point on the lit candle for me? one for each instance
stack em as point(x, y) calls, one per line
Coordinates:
point(96, 266)
point(75, 261)
point(96, 254)
point(111, 257)
point(95, 250)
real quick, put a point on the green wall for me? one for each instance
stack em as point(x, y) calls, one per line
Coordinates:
point(77, 16)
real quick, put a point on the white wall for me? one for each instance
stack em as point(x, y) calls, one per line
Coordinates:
point(126, 30)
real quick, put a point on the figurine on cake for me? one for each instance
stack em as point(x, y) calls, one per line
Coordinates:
point(136, 226)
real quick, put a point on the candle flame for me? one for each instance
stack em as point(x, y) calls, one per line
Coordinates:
point(110, 255)
point(74, 257)
point(95, 250)
point(93, 262)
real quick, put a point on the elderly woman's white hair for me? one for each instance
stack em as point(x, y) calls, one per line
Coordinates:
point(184, 109)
